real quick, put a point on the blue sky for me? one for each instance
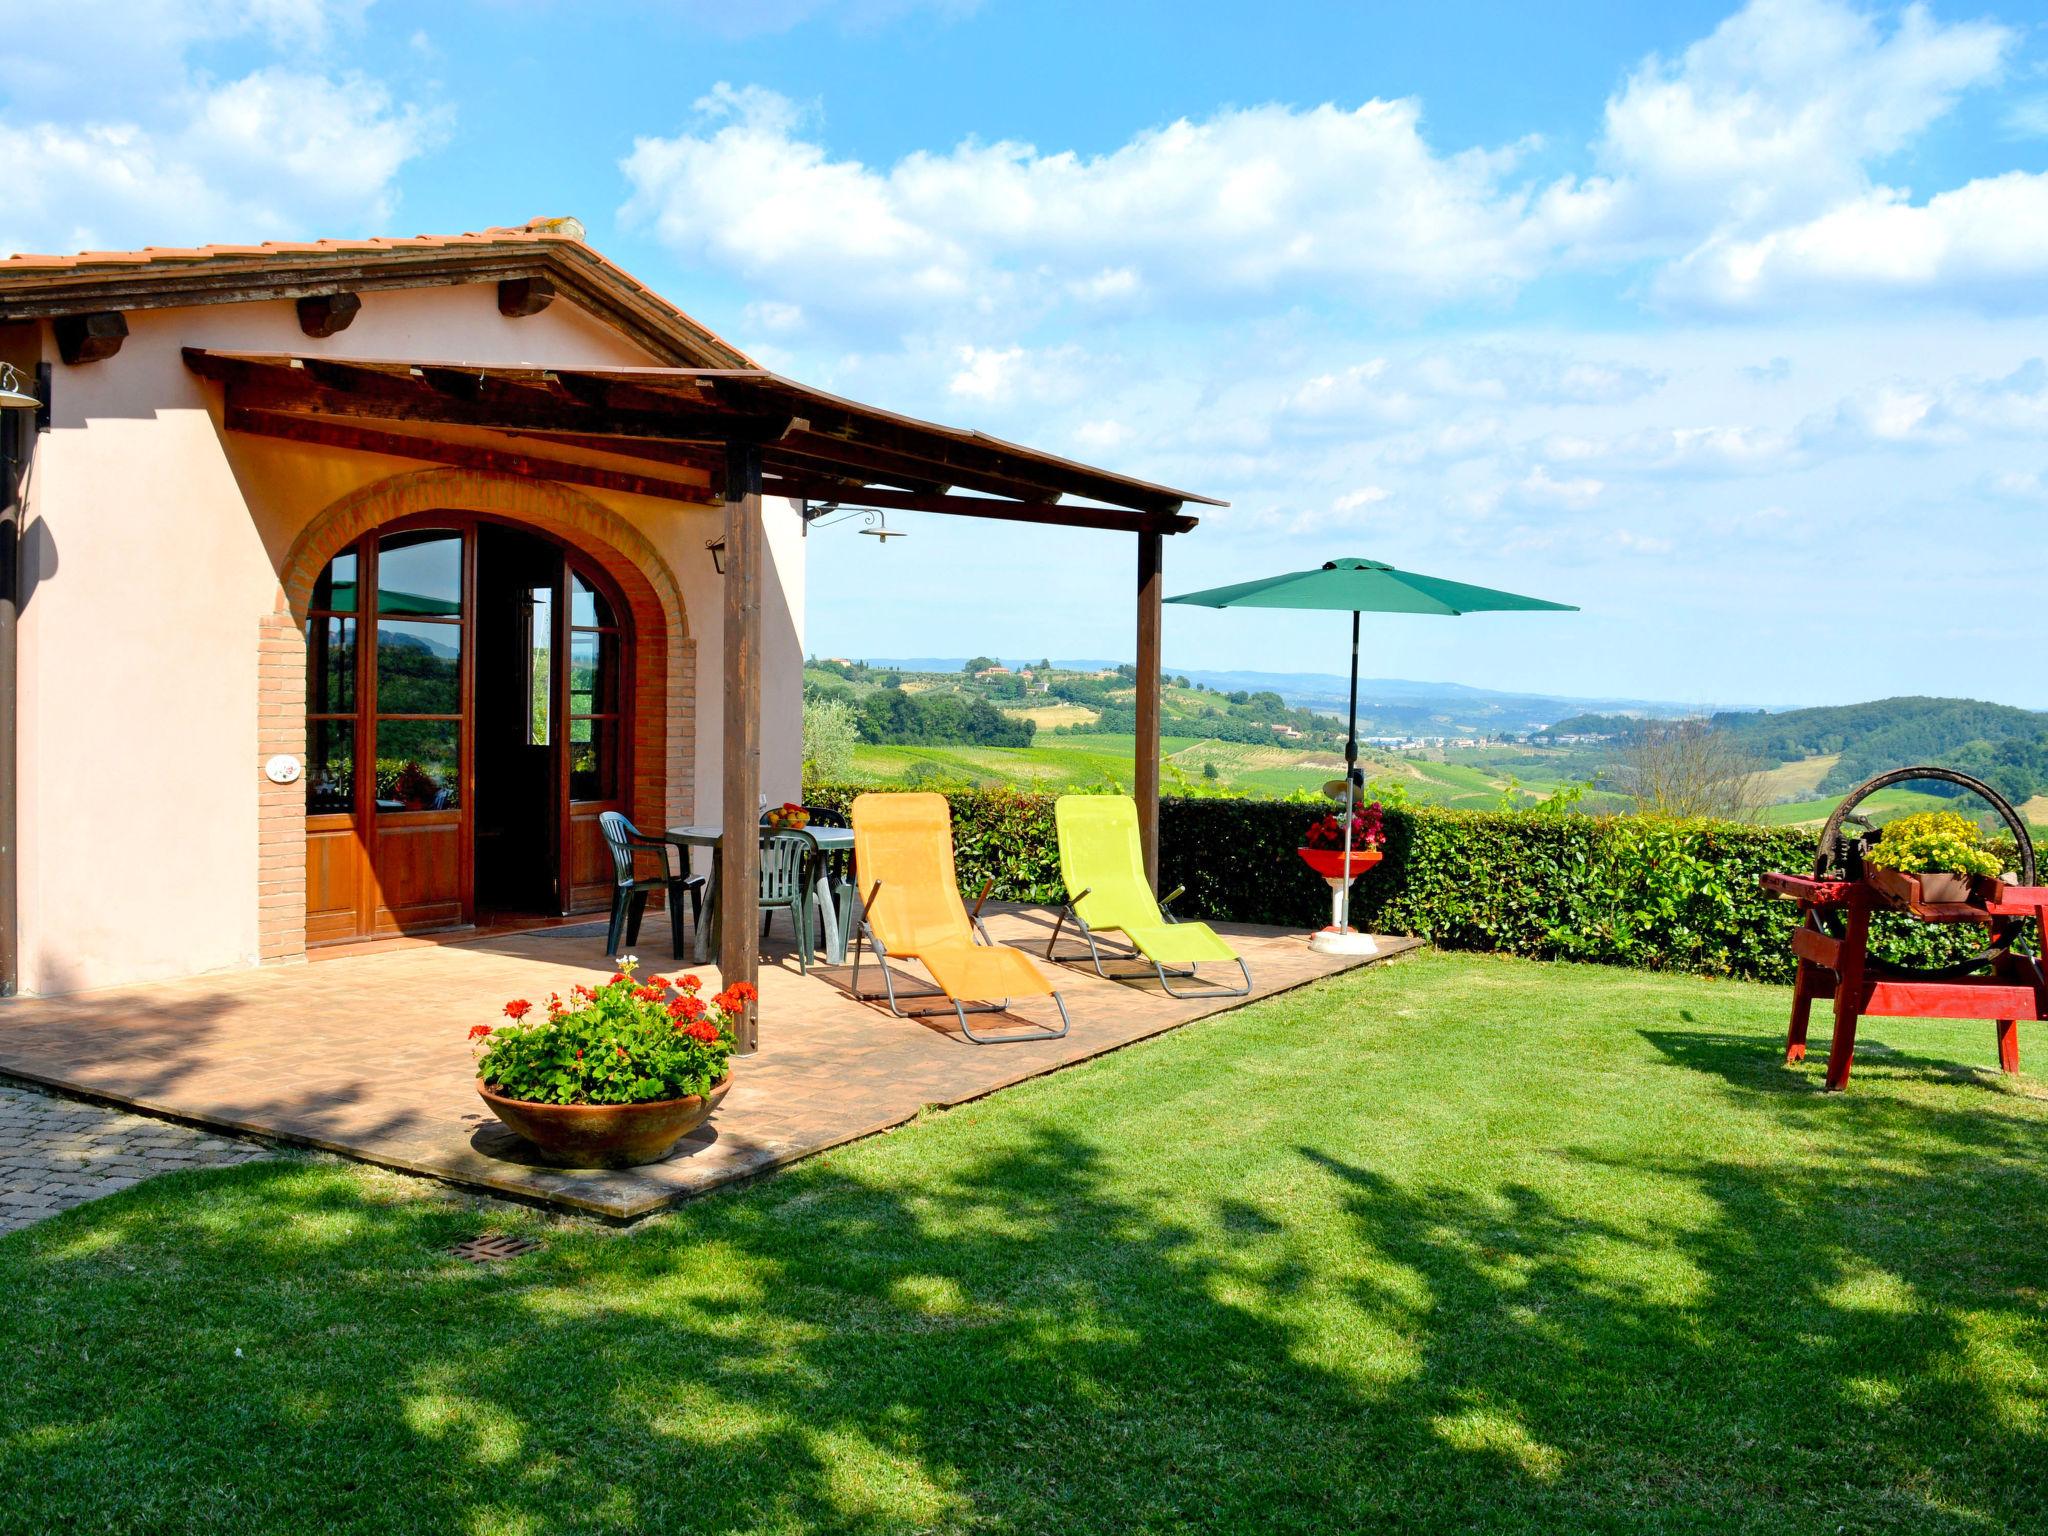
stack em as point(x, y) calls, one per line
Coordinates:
point(1725, 323)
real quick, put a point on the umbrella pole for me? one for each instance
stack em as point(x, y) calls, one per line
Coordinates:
point(1340, 939)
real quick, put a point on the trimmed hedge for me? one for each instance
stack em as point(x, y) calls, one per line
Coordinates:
point(1618, 890)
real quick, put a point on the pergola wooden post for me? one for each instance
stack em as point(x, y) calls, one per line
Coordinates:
point(1151, 592)
point(739, 943)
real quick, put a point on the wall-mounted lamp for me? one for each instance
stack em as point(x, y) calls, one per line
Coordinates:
point(17, 390)
point(826, 513)
point(717, 548)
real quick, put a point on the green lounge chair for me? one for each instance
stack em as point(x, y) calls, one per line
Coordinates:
point(1103, 866)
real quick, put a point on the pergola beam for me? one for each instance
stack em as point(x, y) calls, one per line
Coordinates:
point(332, 434)
point(1115, 519)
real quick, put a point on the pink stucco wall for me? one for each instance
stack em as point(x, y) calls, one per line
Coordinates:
point(152, 543)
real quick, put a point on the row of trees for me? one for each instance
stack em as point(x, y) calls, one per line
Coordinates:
point(891, 717)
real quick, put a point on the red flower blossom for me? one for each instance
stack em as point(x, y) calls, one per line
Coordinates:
point(618, 976)
point(658, 983)
point(687, 1008)
point(518, 1008)
point(648, 994)
point(580, 990)
point(703, 1030)
point(478, 1031)
point(744, 990)
point(691, 983)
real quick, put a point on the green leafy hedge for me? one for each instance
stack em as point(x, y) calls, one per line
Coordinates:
point(1618, 890)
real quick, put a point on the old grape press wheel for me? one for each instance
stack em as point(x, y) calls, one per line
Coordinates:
point(1840, 899)
point(1847, 837)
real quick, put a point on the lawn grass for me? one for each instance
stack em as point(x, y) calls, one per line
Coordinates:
point(1458, 1244)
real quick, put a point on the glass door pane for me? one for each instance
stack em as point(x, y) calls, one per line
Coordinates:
point(540, 666)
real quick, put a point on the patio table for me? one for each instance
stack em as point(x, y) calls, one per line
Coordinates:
point(686, 838)
point(834, 888)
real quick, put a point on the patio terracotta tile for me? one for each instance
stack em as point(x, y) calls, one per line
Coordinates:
point(366, 1056)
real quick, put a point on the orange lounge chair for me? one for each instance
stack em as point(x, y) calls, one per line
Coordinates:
point(911, 910)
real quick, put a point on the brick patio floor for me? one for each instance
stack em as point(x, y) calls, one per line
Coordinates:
point(56, 1153)
point(366, 1056)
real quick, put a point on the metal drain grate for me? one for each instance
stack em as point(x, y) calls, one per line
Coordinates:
point(489, 1250)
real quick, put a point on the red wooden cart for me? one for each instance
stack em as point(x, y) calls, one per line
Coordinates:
point(1832, 942)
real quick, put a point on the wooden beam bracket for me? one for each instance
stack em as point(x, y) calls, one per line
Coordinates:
point(324, 314)
point(522, 296)
point(90, 338)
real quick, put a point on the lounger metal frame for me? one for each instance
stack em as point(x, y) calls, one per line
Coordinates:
point(867, 935)
point(1125, 950)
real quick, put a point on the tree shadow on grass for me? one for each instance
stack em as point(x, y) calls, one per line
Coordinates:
point(1016, 1332)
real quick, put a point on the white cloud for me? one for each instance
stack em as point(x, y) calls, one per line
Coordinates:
point(1247, 201)
point(1783, 105)
point(1641, 543)
point(1579, 492)
point(1987, 238)
point(986, 373)
point(278, 151)
point(1920, 413)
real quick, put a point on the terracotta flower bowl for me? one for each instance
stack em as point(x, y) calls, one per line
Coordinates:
point(1329, 862)
point(606, 1135)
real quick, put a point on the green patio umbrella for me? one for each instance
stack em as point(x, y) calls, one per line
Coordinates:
point(1363, 586)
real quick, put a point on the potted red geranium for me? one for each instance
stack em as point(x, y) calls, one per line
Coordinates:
point(1322, 845)
point(615, 1076)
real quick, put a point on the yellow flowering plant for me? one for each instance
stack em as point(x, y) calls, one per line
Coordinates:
point(1936, 842)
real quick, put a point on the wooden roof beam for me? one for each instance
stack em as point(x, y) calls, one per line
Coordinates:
point(1063, 515)
point(330, 434)
point(501, 415)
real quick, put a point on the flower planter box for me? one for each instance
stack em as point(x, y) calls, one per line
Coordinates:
point(605, 1135)
point(1933, 888)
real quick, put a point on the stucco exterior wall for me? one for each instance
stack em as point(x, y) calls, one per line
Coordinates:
point(153, 543)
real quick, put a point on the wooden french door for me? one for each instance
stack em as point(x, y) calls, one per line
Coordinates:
point(393, 747)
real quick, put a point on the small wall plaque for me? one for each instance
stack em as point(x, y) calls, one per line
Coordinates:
point(282, 769)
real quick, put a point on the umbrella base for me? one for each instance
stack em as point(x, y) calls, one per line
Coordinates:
point(1342, 941)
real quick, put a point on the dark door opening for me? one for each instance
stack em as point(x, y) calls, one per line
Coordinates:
point(517, 756)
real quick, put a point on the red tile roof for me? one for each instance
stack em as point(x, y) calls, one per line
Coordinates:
point(40, 286)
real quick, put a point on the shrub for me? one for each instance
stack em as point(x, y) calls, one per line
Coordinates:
point(1619, 890)
point(830, 730)
point(625, 1042)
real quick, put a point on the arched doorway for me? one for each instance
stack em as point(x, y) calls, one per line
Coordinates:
point(469, 716)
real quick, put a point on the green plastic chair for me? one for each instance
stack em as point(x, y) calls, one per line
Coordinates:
point(1102, 864)
point(787, 861)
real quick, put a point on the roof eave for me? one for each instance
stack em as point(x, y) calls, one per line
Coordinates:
point(579, 272)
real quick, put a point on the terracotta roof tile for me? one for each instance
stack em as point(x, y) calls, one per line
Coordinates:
point(538, 230)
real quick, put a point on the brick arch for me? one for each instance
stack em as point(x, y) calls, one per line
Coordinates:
point(664, 656)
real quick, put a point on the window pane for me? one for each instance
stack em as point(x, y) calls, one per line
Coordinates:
point(420, 572)
point(330, 666)
point(593, 672)
point(418, 765)
point(336, 588)
point(330, 767)
point(588, 607)
point(419, 668)
point(540, 666)
point(593, 759)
